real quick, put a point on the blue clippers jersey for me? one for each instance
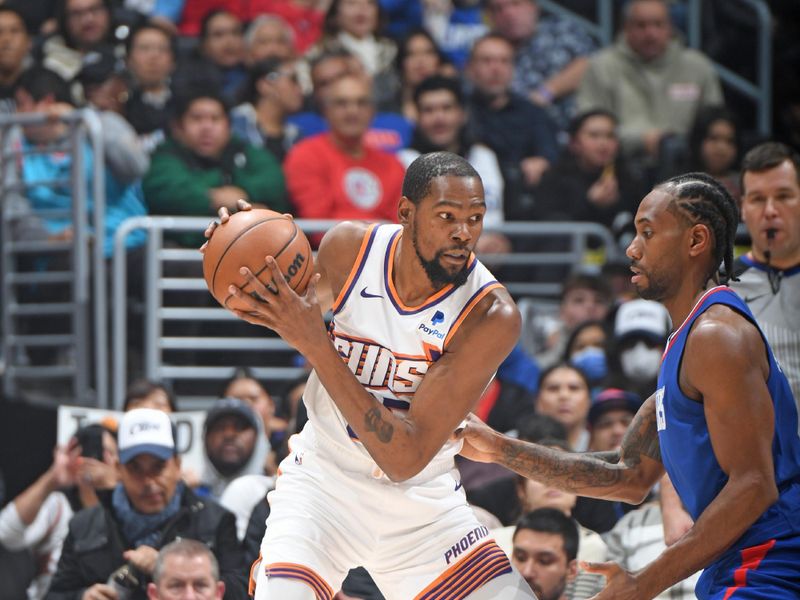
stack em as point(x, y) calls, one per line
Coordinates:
point(686, 444)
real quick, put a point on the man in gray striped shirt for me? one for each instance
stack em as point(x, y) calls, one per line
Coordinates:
point(769, 275)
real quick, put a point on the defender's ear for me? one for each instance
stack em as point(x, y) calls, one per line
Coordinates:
point(700, 239)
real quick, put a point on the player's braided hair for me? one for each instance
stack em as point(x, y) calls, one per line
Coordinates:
point(427, 167)
point(700, 198)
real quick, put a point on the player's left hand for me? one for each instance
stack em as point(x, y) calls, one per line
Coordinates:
point(297, 319)
point(620, 585)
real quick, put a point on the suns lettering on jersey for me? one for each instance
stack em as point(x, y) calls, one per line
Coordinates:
point(378, 368)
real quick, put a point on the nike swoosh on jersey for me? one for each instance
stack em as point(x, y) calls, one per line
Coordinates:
point(366, 294)
point(749, 299)
point(458, 485)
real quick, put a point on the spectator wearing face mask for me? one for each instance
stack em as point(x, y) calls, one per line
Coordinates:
point(584, 297)
point(641, 328)
point(586, 350)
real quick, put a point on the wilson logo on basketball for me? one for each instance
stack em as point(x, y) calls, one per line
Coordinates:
point(294, 268)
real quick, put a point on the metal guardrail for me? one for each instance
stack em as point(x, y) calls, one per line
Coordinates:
point(759, 91)
point(84, 126)
point(156, 314)
point(603, 29)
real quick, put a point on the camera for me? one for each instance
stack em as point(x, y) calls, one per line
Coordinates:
point(125, 581)
point(90, 439)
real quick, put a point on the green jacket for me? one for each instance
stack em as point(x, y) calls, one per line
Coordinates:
point(178, 181)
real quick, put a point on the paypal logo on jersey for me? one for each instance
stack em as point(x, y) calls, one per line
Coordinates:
point(430, 331)
point(438, 317)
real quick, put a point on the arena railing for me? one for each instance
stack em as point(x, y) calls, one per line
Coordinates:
point(80, 359)
point(602, 30)
point(758, 91)
point(578, 240)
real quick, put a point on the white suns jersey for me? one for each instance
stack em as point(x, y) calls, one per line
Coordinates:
point(387, 345)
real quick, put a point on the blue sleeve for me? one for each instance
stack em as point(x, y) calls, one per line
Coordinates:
point(169, 9)
point(309, 123)
point(403, 16)
point(520, 369)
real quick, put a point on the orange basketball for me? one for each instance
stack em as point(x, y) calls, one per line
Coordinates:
point(244, 241)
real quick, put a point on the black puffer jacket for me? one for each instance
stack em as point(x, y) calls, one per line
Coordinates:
point(94, 546)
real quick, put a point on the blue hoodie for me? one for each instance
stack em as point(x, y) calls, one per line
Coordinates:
point(122, 201)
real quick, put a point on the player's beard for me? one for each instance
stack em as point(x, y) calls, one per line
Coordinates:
point(437, 274)
point(657, 286)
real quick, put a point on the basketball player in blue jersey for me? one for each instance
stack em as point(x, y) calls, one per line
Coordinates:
point(723, 422)
point(419, 328)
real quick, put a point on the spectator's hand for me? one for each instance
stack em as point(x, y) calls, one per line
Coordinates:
point(58, 109)
point(533, 168)
point(48, 27)
point(143, 558)
point(493, 243)
point(674, 518)
point(65, 235)
point(224, 215)
point(98, 474)
point(190, 477)
point(66, 463)
point(604, 192)
point(227, 196)
point(480, 440)
point(541, 96)
point(676, 523)
point(100, 591)
point(651, 140)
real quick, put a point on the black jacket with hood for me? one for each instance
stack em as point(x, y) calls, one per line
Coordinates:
point(94, 546)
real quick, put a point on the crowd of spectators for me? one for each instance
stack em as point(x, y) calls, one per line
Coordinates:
point(577, 131)
point(316, 108)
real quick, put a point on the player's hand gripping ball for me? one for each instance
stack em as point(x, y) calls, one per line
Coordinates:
point(245, 240)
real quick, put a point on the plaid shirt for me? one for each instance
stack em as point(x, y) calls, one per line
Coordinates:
point(554, 45)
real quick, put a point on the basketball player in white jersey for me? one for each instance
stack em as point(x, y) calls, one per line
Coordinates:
point(419, 328)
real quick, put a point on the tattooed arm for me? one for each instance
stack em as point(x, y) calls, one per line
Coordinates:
point(731, 383)
point(599, 476)
point(610, 456)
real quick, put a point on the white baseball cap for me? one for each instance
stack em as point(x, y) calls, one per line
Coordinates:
point(145, 431)
point(643, 317)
